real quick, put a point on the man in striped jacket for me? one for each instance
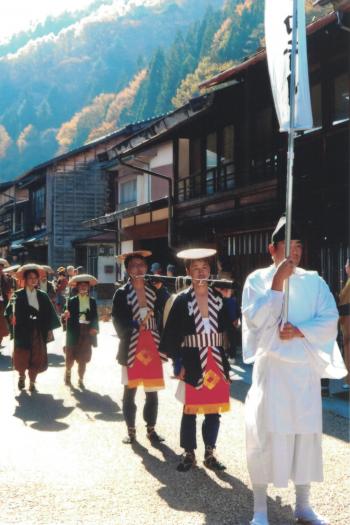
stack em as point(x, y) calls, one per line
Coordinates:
point(193, 334)
point(136, 307)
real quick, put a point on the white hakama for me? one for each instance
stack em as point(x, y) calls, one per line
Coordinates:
point(283, 406)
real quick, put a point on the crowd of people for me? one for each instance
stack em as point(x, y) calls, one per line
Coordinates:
point(32, 307)
point(197, 329)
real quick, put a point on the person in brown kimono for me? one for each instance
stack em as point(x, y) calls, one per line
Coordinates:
point(32, 319)
point(82, 327)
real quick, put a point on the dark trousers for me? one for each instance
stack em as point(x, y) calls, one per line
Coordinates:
point(150, 409)
point(210, 430)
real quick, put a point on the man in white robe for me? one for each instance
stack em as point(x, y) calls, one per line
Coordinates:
point(283, 406)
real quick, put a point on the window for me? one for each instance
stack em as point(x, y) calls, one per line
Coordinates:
point(227, 181)
point(262, 128)
point(341, 98)
point(195, 156)
point(211, 151)
point(128, 191)
point(38, 206)
point(211, 162)
point(19, 221)
point(316, 103)
point(248, 243)
point(228, 138)
point(92, 261)
point(106, 251)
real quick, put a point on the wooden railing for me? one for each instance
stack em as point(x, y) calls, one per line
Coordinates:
point(226, 177)
point(206, 182)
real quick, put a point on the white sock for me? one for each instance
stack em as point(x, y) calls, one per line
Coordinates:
point(303, 508)
point(260, 505)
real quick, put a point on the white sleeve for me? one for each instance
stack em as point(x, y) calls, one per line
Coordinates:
point(320, 334)
point(261, 314)
point(322, 327)
point(259, 308)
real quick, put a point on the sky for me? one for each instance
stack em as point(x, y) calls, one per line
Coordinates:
point(16, 15)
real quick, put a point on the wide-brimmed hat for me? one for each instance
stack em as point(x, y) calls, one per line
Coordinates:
point(60, 269)
point(47, 268)
point(196, 253)
point(27, 267)
point(3, 262)
point(12, 268)
point(83, 278)
point(137, 253)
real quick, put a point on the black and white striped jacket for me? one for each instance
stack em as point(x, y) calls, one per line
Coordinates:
point(126, 316)
point(184, 321)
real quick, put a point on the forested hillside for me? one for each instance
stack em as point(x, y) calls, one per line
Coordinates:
point(83, 75)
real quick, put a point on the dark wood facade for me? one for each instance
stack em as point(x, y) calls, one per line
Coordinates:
point(230, 167)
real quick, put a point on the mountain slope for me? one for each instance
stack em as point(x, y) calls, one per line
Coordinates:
point(118, 64)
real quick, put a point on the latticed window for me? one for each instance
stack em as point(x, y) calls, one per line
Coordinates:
point(249, 243)
point(38, 200)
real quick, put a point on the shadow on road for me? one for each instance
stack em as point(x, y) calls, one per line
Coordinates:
point(336, 426)
point(196, 491)
point(41, 411)
point(5, 363)
point(106, 409)
point(239, 390)
point(55, 360)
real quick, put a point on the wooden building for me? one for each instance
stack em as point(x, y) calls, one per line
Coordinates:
point(42, 211)
point(229, 162)
point(144, 186)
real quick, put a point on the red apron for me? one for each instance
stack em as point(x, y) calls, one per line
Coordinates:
point(213, 397)
point(147, 369)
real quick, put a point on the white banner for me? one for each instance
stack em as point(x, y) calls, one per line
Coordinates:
point(278, 35)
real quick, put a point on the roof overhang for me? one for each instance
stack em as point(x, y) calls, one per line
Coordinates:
point(100, 239)
point(162, 128)
point(112, 218)
point(39, 238)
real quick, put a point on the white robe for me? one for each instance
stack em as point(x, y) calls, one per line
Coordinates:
point(283, 406)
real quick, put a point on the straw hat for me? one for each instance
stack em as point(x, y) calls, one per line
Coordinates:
point(13, 268)
point(196, 253)
point(60, 269)
point(31, 266)
point(47, 268)
point(3, 262)
point(83, 278)
point(140, 253)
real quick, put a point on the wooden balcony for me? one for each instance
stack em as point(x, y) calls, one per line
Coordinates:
point(226, 178)
point(206, 183)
